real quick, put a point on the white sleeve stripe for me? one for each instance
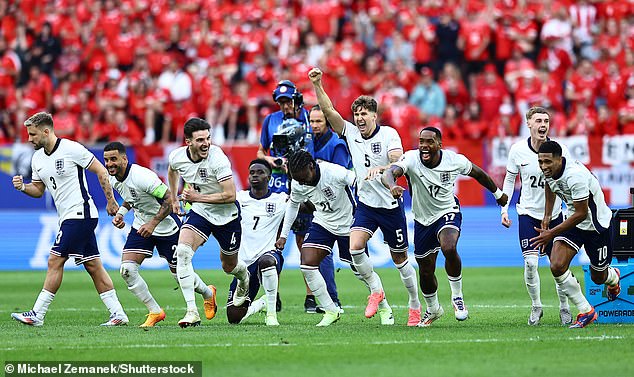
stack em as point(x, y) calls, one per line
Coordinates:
point(580, 199)
point(36, 180)
point(394, 149)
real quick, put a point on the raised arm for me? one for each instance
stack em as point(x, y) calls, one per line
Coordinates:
point(101, 172)
point(335, 119)
point(485, 180)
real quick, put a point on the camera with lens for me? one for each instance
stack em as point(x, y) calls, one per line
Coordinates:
point(290, 138)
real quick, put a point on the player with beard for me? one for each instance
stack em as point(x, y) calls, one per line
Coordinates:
point(432, 173)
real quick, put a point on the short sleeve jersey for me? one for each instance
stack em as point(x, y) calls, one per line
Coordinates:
point(62, 172)
point(433, 188)
point(577, 183)
point(369, 153)
point(522, 160)
point(261, 221)
point(205, 176)
point(334, 204)
point(144, 190)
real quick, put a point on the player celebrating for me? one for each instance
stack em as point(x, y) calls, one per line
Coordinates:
point(587, 225)
point(262, 215)
point(373, 148)
point(207, 172)
point(432, 173)
point(58, 165)
point(154, 226)
point(327, 186)
point(530, 210)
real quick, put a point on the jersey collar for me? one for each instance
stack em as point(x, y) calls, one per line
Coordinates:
point(431, 167)
point(190, 157)
point(125, 175)
point(54, 147)
point(376, 131)
point(563, 167)
point(530, 146)
point(268, 193)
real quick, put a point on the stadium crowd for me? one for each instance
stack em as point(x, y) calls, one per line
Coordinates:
point(135, 70)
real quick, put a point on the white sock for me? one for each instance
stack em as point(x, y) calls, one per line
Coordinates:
point(201, 288)
point(44, 299)
point(317, 285)
point(431, 300)
point(186, 274)
point(455, 283)
point(364, 267)
point(408, 277)
point(111, 301)
point(138, 286)
point(240, 271)
point(571, 287)
point(360, 278)
point(613, 278)
point(531, 278)
point(255, 307)
point(563, 299)
point(269, 283)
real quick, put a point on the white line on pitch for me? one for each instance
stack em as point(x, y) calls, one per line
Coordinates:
point(394, 342)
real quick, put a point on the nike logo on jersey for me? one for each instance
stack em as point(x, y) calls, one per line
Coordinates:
point(358, 141)
point(523, 164)
point(39, 170)
point(244, 205)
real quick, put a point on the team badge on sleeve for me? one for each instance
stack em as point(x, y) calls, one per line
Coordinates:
point(59, 166)
point(376, 148)
point(270, 208)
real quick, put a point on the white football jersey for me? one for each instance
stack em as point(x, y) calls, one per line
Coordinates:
point(369, 153)
point(577, 183)
point(433, 189)
point(333, 200)
point(205, 176)
point(261, 221)
point(142, 189)
point(523, 161)
point(62, 172)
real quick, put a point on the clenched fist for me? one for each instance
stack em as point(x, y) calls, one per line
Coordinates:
point(315, 75)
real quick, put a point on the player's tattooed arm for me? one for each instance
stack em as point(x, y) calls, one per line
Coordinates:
point(101, 172)
point(389, 177)
point(147, 229)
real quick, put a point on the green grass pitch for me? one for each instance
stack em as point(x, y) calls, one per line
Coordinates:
point(494, 341)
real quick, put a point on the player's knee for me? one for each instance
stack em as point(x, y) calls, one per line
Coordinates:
point(449, 251)
point(266, 261)
point(129, 271)
point(557, 269)
point(184, 254)
point(235, 314)
point(229, 265)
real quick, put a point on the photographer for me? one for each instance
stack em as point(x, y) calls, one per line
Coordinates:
point(291, 103)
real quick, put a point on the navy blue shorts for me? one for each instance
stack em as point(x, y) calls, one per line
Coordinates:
point(598, 246)
point(391, 222)
point(320, 238)
point(302, 223)
point(76, 239)
point(165, 245)
point(527, 231)
point(254, 284)
point(227, 235)
point(426, 237)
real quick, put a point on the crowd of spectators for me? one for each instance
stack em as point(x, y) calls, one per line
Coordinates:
point(135, 70)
